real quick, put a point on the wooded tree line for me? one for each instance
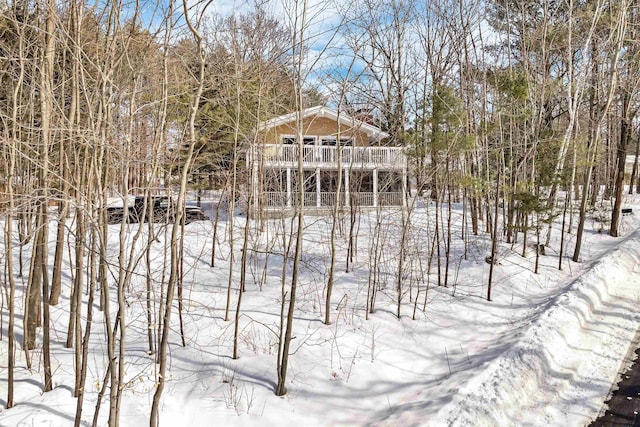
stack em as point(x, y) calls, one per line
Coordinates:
point(522, 111)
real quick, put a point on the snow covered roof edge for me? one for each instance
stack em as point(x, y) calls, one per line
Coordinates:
point(329, 113)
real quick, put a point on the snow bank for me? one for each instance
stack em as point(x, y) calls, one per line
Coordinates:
point(559, 372)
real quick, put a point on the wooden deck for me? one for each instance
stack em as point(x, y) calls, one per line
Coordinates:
point(329, 157)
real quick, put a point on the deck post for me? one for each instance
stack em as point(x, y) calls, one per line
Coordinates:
point(375, 188)
point(318, 188)
point(404, 187)
point(288, 187)
point(347, 202)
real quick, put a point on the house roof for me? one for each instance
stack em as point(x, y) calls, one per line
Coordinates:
point(329, 113)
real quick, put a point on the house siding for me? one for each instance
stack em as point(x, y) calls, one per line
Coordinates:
point(317, 126)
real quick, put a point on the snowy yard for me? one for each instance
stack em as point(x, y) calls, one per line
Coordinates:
point(544, 351)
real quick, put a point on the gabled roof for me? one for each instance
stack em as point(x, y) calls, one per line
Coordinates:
point(329, 113)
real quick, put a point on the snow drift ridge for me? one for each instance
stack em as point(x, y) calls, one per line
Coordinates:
point(566, 360)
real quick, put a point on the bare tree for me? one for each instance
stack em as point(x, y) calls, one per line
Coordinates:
point(599, 112)
point(629, 84)
point(298, 21)
point(194, 24)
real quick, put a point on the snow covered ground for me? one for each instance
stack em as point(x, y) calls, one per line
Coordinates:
point(544, 351)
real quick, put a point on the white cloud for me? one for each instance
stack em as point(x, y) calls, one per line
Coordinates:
point(231, 7)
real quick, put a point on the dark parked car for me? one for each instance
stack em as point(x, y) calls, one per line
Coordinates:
point(158, 209)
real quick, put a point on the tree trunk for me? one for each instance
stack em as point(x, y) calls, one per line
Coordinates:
point(621, 158)
point(494, 237)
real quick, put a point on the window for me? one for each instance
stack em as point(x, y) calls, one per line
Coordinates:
point(329, 181)
point(275, 180)
point(332, 141)
point(306, 140)
point(361, 182)
point(389, 182)
point(309, 182)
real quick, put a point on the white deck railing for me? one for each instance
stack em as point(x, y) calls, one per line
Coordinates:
point(283, 155)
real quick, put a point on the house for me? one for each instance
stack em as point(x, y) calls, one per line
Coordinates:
point(334, 146)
